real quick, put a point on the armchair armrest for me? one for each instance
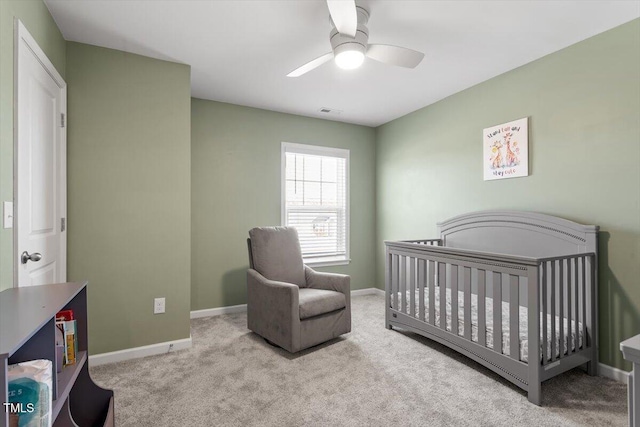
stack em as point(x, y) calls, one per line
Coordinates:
point(328, 281)
point(273, 285)
point(273, 310)
point(332, 282)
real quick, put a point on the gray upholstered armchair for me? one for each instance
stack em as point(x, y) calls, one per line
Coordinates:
point(288, 303)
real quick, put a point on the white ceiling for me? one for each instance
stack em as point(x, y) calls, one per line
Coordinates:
point(241, 51)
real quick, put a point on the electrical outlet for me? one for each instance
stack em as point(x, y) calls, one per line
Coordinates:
point(158, 305)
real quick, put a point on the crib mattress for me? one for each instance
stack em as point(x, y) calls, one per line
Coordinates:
point(569, 333)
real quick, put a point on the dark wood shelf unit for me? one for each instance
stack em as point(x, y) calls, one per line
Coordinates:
point(27, 332)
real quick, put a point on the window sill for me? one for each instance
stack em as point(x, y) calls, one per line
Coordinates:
point(327, 262)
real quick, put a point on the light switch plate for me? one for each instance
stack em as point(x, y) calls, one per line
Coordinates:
point(7, 214)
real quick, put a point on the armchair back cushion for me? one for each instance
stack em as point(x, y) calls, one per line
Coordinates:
point(275, 252)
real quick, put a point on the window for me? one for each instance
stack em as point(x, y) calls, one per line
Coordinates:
point(315, 200)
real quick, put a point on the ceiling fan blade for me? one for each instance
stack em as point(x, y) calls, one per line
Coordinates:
point(344, 16)
point(311, 65)
point(395, 55)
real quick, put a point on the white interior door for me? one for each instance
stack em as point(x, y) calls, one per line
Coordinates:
point(40, 166)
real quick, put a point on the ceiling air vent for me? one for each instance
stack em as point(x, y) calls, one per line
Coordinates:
point(331, 111)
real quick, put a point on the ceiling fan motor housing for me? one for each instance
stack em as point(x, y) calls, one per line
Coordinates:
point(341, 42)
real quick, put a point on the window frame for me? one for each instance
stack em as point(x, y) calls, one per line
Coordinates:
point(318, 151)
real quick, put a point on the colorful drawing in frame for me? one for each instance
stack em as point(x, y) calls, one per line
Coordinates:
point(506, 150)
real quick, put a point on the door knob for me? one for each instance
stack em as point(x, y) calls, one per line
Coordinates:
point(35, 257)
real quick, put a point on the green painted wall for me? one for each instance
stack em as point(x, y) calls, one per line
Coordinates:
point(129, 198)
point(583, 105)
point(36, 18)
point(235, 185)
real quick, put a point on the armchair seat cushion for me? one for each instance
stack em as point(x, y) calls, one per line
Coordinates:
point(313, 302)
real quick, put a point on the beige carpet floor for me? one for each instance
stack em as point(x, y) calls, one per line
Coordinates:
point(371, 376)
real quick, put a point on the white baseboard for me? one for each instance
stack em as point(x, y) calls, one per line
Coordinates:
point(613, 373)
point(367, 291)
point(137, 352)
point(241, 308)
point(208, 312)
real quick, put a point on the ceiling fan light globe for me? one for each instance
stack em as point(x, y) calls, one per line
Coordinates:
point(349, 55)
point(349, 59)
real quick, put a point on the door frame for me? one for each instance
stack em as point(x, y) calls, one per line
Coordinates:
point(22, 34)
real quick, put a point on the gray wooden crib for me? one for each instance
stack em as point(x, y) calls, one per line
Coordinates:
point(539, 271)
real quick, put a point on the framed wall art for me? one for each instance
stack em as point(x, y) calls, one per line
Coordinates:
point(506, 150)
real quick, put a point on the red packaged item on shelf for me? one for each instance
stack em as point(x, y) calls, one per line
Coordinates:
point(65, 315)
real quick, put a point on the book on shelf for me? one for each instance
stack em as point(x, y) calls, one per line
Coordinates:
point(66, 324)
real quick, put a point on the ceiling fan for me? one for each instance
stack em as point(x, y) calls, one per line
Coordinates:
point(349, 42)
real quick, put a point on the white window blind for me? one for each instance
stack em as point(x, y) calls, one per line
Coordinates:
point(315, 191)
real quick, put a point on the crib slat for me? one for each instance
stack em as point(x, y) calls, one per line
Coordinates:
point(482, 309)
point(454, 299)
point(561, 305)
point(467, 303)
point(543, 283)
point(394, 280)
point(422, 264)
point(431, 274)
point(584, 301)
point(412, 286)
point(552, 292)
point(576, 280)
point(442, 283)
point(497, 312)
point(403, 283)
point(569, 307)
point(514, 317)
